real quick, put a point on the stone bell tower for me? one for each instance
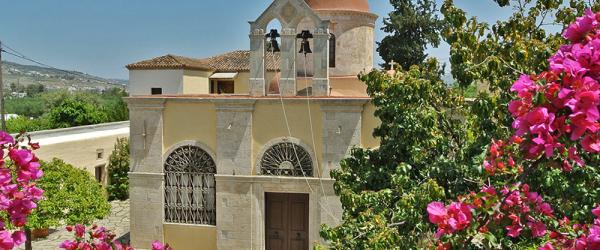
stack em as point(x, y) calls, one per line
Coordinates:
point(290, 13)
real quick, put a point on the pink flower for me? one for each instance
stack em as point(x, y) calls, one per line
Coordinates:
point(596, 211)
point(547, 246)
point(68, 245)
point(591, 143)
point(437, 212)
point(157, 245)
point(457, 216)
point(6, 138)
point(523, 86)
point(538, 229)
point(79, 230)
point(514, 230)
point(6, 240)
point(581, 27)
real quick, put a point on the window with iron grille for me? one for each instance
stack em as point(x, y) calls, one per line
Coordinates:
point(190, 186)
point(286, 159)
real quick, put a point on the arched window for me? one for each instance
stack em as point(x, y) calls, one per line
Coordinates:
point(286, 159)
point(190, 186)
point(331, 50)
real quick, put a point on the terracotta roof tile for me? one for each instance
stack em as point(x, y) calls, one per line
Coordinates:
point(171, 62)
point(235, 61)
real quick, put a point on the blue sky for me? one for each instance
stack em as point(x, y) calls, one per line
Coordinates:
point(100, 37)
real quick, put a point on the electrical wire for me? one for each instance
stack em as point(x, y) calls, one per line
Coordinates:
point(294, 146)
point(22, 56)
point(312, 132)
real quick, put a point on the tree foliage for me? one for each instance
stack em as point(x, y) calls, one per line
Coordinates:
point(118, 169)
point(433, 144)
point(59, 109)
point(413, 25)
point(71, 196)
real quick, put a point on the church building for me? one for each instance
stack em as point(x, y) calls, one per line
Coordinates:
point(235, 151)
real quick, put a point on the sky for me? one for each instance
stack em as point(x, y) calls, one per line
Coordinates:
point(101, 37)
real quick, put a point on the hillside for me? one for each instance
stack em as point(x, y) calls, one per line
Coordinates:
point(19, 74)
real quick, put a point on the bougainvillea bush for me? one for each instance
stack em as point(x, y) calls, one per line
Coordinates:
point(556, 127)
point(99, 238)
point(18, 192)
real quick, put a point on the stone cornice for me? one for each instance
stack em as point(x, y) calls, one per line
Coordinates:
point(145, 103)
point(371, 16)
point(146, 176)
point(272, 179)
point(235, 105)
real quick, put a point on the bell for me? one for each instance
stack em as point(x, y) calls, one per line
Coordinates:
point(305, 47)
point(273, 46)
point(304, 35)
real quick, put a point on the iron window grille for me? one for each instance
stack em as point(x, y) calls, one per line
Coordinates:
point(190, 186)
point(286, 159)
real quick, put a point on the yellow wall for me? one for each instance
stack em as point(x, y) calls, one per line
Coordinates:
point(241, 83)
point(190, 237)
point(190, 121)
point(269, 123)
point(196, 82)
point(369, 122)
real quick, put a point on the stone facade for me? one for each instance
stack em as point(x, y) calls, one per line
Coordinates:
point(341, 132)
point(234, 133)
point(146, 187)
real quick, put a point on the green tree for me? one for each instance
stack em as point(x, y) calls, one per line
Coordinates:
point(34, 89)
point(118, 168)
point(432, 143)
point(71, 196)
point(76, 112)
point(412, 26)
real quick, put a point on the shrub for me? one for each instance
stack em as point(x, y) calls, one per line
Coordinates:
point(71, 196)
point(118, 168)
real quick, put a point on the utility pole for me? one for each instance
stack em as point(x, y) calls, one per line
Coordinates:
point(2, 113)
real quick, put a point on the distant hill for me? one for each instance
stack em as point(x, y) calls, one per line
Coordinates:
point(54, 79)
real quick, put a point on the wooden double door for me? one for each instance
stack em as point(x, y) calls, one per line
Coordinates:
point(286, 221)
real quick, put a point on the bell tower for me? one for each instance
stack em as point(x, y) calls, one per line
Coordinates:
point(290, 13)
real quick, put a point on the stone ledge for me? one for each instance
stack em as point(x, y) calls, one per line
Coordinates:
point(189, 225)
point(145, 103)
point(144, 175)
point(271, 179)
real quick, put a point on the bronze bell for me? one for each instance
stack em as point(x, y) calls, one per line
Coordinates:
point(304, 45)
point(273, 45)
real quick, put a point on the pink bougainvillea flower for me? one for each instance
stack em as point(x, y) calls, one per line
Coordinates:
point(6, 138)
point(6, 240)
point(79, 230)
point(514, 230)
point(437, 212)
point(596, 211)
point(538, 229)
point(581, 27)
point(523, 86)
point(591, 143)
point(547, 246)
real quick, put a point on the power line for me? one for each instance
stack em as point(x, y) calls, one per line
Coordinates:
point(18, 54)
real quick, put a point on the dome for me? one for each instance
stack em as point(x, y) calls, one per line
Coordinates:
point(352, 5)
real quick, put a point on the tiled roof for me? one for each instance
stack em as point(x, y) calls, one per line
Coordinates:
point(235, 61)
point(170, 62)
